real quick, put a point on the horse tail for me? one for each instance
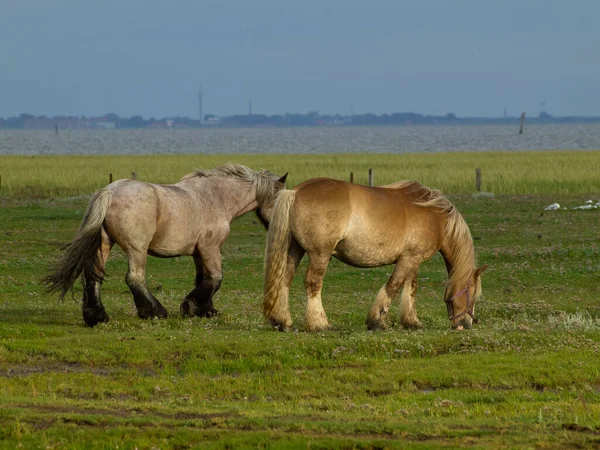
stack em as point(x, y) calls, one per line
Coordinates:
point(278, 242)
point(81, 254)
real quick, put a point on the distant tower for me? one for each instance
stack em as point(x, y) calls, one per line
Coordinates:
point(250, 108)
point(200, 106)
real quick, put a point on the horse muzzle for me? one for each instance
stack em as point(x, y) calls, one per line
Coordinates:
point(463, 324)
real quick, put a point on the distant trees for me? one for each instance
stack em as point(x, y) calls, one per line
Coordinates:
point(134, 122)
point(312, 118)
point(247, 120)
point(112, 117)
point(18, 122)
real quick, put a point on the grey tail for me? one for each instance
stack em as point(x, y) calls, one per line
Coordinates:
point(81, 254)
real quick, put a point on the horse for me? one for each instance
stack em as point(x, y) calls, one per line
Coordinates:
point(189, 218)
point(404, 223)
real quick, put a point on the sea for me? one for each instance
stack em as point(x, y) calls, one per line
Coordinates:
point(342, 139)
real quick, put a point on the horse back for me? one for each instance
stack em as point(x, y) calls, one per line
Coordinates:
point(338, 200)
point(353, 220)
point(161, 218)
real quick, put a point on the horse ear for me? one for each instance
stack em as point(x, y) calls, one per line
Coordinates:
point(480, 270)
point(282, 179)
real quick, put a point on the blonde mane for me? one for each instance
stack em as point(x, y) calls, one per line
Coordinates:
point(459, 242)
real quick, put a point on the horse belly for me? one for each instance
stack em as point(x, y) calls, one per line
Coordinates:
point(366, 253)
point(172, 241)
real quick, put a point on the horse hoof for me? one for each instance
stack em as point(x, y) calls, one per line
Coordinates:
point(189, 309)
point(93, 317)
point(280, 326)
point(319, 323)
point(319, 328)
point(151, 313)
point(212, 312)
point(209, 312)
point(373, 326)
point(413, 325)
point(185, 309)
point(160, 312)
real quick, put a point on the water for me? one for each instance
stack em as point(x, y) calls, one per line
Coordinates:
point(381, 139)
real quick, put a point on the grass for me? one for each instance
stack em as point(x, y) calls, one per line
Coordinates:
point(526, 376)
point(534, 173)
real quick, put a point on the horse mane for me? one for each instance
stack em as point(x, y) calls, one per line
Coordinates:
point(227, 170)
point(263, 180)
point(457, 235)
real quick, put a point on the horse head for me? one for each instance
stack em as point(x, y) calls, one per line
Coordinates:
point(460, 301)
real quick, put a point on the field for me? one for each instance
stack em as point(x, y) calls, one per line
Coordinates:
point(526, 376)
point(531, 173)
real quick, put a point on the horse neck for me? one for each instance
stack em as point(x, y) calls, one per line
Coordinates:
point(234, 197)
point(240, 197)
point(458, 252)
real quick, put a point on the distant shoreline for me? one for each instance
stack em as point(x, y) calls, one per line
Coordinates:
point(114, 121)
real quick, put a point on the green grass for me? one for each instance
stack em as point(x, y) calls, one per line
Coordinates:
point(527, 376)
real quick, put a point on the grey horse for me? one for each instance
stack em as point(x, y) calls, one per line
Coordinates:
point(189, 218)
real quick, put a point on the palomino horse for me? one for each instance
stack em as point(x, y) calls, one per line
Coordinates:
point(403, 223)
point(190, 218)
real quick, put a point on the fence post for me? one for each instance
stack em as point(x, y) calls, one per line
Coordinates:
point(370, 177)
point(133, 176)
point(351, 177)
point(522, 123)
point(478, 179)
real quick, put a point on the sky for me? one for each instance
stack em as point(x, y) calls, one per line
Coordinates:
point(467, 57)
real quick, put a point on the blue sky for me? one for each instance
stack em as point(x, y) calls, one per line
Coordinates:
point(472, 58)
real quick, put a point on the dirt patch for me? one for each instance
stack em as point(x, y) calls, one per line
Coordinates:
point(23, 371)
point(71, 410)
point(580, 428)
point(135, 412)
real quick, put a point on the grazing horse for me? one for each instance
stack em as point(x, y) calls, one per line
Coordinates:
point(403, 223)
point(189, 218)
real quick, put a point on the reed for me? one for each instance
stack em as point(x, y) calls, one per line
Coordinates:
point(503, 173)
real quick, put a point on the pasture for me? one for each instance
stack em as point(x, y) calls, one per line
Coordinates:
point(527, 376)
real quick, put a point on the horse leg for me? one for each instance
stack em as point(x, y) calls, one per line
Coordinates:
point(377, 317)
point(188, 306)
point(147, 305)
point(315, 318)
point(92, 307)
point(281, 317)
point(408, 313)
point(209, 277)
